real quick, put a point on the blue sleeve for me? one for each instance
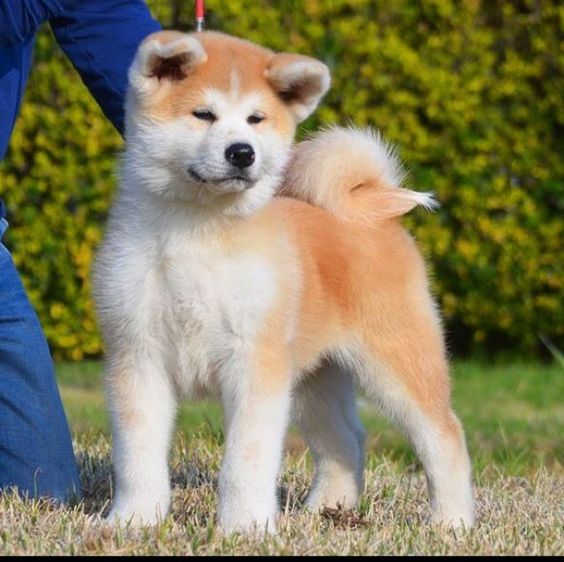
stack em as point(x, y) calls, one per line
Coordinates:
point(19, 19)
point(100, 37)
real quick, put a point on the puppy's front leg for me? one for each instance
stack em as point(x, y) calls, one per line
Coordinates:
point(143, 407)
point(257, 407)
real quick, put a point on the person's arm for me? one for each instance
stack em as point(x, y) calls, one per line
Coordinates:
point(19, 19)
point(100, 37)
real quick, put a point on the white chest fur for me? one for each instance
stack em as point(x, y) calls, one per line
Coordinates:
point(210, 304)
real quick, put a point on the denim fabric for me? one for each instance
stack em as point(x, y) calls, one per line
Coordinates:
point(36, 453)
point(100, 38)
point(3, 221)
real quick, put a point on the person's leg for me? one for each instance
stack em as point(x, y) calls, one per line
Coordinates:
point(36, 453)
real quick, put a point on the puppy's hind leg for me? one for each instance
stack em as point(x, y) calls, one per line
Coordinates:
point(143, 408)
point(405, 370)
point(325, 410)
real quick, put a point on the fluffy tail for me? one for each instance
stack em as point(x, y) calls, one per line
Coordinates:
point(354, 174)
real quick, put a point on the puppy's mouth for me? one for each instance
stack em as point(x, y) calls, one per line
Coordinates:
point(234, 179)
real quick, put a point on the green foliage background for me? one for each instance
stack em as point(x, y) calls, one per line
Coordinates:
point(470, 90)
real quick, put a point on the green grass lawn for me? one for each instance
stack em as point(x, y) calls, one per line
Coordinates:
point(514, 420)
point(513, 414)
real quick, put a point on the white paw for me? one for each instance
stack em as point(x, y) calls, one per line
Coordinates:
point(460, 520)
point(249, 526)
point(456, 511)
point(318, 499)
point(247, 519)
point(137, 514)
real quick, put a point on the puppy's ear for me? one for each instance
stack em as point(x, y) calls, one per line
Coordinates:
point(299, 81)
point(165, 56)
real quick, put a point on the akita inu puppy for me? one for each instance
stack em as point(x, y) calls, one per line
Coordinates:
point(208, 283)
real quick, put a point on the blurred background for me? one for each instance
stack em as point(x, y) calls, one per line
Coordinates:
point(469, 90)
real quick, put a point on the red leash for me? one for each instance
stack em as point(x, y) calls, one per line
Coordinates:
point(200, 14)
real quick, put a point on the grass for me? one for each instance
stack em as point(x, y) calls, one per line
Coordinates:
point(514, 419)
point(513, 414)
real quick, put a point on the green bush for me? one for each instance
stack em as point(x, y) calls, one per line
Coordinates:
point(471, 92)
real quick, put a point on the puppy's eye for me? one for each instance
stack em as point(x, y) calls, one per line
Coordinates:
point(204, 115)
point(255, 119)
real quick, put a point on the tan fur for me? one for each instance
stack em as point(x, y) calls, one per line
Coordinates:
point(354, 174)
point(118, 387)
point(225, 55)
point(341, 286)
point(354, 279)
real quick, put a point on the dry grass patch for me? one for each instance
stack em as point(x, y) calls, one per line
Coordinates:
point(517, 515)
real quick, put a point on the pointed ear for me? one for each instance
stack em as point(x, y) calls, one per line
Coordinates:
point(165, 56)
point(299, 81)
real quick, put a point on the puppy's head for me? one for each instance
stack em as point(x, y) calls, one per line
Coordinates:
point(211, 118)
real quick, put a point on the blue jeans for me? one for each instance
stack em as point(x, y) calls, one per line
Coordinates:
point(36, 453)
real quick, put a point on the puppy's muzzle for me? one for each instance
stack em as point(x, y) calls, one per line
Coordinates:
point(241, 155)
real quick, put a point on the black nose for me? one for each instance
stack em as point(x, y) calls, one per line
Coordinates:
point(240, 155)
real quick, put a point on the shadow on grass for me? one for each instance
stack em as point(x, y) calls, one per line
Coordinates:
point(97, 482)
point(194, 480)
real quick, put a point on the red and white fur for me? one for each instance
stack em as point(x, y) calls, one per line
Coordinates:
point(208, 283)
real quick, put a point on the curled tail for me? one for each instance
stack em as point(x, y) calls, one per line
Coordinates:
point(354, 174)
